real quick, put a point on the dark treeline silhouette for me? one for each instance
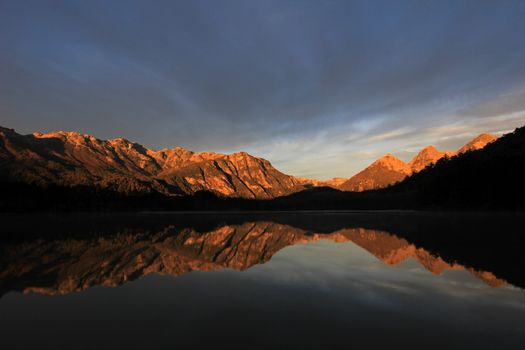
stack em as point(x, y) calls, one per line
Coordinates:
point(487, 179)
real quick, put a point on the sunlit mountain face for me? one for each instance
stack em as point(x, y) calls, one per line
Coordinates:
point(388, 169)
point(73, 159)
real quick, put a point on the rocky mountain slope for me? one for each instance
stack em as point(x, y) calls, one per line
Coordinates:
point(70, 159)
point(381, 173)
point(71, 265)
point(388, 169)
point(477, 143)
point(333, 182)
point(74, 159)
point(428, 155)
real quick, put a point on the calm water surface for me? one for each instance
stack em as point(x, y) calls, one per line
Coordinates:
point(280, 281)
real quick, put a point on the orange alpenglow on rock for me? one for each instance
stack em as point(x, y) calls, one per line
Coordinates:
point(71, 158)
point(385, 171)
point(333, 182)
point(388, 169)
point(477, 143)
point(428, 155)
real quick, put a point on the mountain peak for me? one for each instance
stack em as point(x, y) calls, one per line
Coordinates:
point(428, 155)
point(120, 140)
point(73, 137)
point(429, 149)
point(478, 142)
point(388, 169)
point(391, 162)
point(486, 136)
point(383, 172)
point(241, 155)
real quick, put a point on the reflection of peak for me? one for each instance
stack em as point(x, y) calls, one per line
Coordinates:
point(393, 250)
point(488, 277)
point(64, 266)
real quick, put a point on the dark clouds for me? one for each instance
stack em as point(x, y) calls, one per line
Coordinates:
point(330, 83)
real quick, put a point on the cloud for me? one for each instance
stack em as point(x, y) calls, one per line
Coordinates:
point(507, 104)
point(312, 86)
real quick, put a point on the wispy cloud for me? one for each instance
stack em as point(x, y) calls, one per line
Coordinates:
point(319, 88)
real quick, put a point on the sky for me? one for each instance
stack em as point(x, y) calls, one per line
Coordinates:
point(319, 88)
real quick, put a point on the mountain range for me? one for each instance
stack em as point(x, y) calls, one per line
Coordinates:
point(74, 159)
point(388, 169)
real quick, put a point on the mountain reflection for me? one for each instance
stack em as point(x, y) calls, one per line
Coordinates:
point(65, 265)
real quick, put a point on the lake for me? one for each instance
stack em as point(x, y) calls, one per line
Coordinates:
point(303, 280)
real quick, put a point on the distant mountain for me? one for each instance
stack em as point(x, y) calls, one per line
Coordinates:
point(383, 172)
point(69, 159)
point(428, 155)
point(388, 169)
point(73, 159)
point(334, 182)
point(490, 178)
point(477, 143)
point(483, 177)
